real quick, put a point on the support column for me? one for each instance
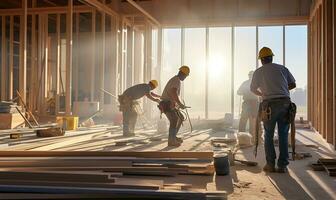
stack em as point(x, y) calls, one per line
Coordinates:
point(232, 68)
point(3, 59)
point(58, 62)
point(93, 56)
point(102, 65)
point(206, 73)
point(23, 52)
point(11, 58)
point(69, 58)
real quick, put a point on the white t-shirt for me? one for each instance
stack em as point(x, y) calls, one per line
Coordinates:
point(174, 82)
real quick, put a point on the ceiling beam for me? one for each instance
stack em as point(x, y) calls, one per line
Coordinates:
point(46, 10)
point(101, 7)
point(143, 11)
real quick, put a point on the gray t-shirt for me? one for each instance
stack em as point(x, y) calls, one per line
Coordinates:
point(137, 91)
point(174, 82)
point(244, 90)
point(272, 80)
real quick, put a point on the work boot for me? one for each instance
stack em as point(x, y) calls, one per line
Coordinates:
point(269, 168)
point(129, 134)
point(281, 170)
point(174, 143)
point(180, 140)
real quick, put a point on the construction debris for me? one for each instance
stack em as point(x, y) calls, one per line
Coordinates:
point(71, 172)
point(325, 164)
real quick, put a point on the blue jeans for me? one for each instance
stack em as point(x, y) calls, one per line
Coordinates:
point(279, 116)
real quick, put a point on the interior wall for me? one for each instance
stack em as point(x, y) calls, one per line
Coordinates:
point(322, 71)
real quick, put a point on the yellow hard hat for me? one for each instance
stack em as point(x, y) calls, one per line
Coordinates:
point(185, 70)
point(155, 83)
point(265, 52)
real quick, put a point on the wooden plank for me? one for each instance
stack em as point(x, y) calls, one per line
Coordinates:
point(101, 7)
point(144, 154)
point(33, 65)
point(3, 58)
point(55, 176)
point(45, 10)
point(102, 61)
point(68, 84)
point(23, 52)
point(143, 11)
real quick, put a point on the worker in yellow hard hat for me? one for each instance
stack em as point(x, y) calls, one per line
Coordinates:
point(272, 83)
point(127, 101)
point(171, 103)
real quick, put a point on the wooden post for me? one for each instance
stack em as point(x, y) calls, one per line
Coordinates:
point(23, 51)
point(69, 58)
point(93, 55)
point(329, 71)
point(102, 63)
point(11, 57)
point(58, 63)
point(206, 73)
point(3, 59)
point(77, 54)
point(33, 77)
point(334, 70)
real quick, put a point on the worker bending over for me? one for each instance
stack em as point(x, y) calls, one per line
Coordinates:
point(272, 82)
point(171, 104)
point(249, 106)
point(128, 103)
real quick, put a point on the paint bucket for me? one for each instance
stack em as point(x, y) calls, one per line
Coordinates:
point(222, 164)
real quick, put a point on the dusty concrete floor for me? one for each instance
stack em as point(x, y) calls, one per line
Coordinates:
point(300, 183)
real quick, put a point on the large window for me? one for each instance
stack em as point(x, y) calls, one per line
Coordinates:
point(221, 85)
point(245, 56)
point(271, 36)
point(220, 66)
point(194, 57)
point(171, 55)
point(296, 62)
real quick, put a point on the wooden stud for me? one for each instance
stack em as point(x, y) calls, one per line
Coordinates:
point(93, 56)
point(3, 59)
point(102, 62)
point(11, 58)
point(58, 62)
point(77, 54)
point(33, 76)
point(206, 96)
point(23, 52)
point(69, 58)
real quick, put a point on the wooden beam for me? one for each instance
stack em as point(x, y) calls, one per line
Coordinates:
point(102, 62)
point(141, 154)
point(77, 54)
point(329, 71)
point(101, 7)
point(93, 56)
point(143, 11)
point(46, 10)
point(33, 65)
point(68, 83)
point(58, 62)
point(3, 58)
point(11, 58)
point(23, 52)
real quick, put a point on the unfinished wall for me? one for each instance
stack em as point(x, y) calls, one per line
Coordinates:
point(322, 71)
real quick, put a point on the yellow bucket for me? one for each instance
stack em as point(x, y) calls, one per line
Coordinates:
point(69, 123)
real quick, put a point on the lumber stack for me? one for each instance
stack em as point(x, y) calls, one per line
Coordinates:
point(117, 174)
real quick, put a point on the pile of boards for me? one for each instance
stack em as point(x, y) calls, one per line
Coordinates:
point(8, 107)
point(325, 164)
point(113, 175)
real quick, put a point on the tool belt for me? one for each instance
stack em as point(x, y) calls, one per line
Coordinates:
point(125, 103)
point(169, 106)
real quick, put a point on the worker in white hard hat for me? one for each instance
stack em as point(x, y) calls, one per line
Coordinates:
point(171, 104)
point(128, 102)
point(249, 106)
point(272, 83)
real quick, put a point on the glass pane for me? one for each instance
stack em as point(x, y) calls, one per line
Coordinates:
point(296, 62)
point(271, 36)
point(219, 72)
point(194, 85)
point(245, 56)
point(171, 59)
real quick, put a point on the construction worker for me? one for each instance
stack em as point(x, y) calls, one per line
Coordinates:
point(128, 102)
point(249, 106)
point(171, 104)
point(272, 82)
